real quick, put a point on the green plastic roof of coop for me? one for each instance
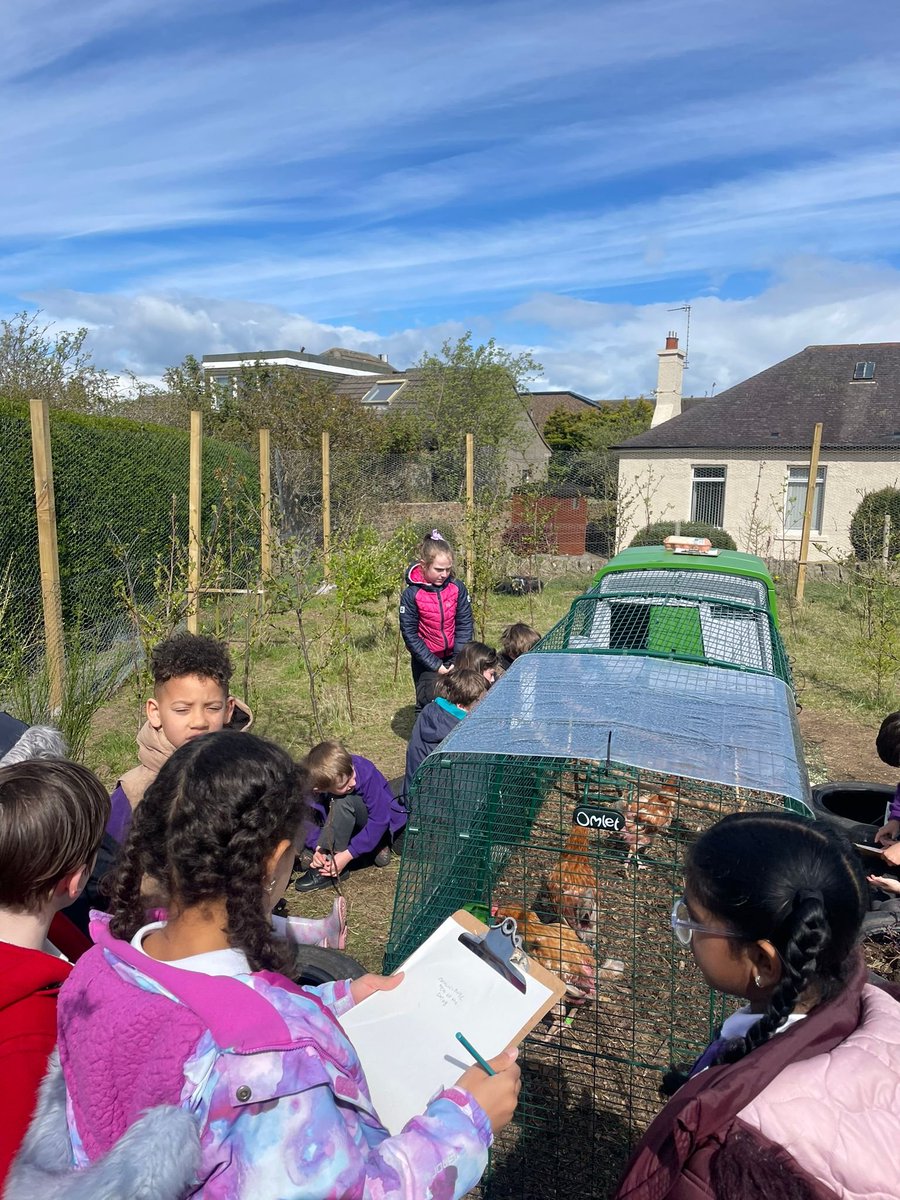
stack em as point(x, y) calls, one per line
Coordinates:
point(726, 562)
point(708, 723)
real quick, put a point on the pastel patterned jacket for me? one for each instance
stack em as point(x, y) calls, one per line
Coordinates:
point(275, 1085)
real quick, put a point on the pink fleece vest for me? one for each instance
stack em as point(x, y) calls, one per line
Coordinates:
point(129, 1063)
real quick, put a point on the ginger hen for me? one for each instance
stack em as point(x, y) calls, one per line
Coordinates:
point(648, 816)
point(560, 950)
point(557, 948)
point(571, 888)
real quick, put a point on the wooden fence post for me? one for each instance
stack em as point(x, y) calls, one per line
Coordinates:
point(48, 550)
point(470, 509)
point(886, 539)
point(194, 505)
point(808, 511)
point(265, 508)
point(326, 504)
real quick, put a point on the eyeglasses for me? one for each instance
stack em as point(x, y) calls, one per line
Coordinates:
point(684, 928)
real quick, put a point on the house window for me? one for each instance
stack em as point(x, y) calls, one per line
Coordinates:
point(380, 395)
point(864, 370)
point(795, 500)
point(708, 495)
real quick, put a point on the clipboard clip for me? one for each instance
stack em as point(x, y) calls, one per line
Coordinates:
point(501, 949)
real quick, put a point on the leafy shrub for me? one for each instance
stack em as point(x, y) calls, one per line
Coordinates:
point(867, 525)
point(653, 535)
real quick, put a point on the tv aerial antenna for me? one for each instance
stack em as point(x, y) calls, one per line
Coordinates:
point(685, 308)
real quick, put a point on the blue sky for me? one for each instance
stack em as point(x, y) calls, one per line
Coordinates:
point(200, 177)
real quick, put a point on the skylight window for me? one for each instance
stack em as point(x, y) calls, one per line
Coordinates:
point(382, 393)
point(864, 370)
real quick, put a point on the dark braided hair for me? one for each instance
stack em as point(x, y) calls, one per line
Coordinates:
point(795, 883)
point(205, 829)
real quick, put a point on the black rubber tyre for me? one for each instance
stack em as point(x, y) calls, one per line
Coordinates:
point(857, 809)
point(315, 965)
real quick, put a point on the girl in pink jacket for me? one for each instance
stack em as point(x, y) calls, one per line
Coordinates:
point(193, 1011)
point(797, 1098)
point(435, 615)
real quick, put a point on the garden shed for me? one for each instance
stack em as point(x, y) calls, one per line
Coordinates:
point(569, 796)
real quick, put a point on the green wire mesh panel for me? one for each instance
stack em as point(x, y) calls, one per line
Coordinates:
point(529, 831)
point(692, 629)
point(680, 581)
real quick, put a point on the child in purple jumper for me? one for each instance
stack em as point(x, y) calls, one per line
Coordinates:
point(887, 743)
point(355, 812)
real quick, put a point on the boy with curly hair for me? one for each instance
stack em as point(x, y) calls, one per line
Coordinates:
point(191, 674)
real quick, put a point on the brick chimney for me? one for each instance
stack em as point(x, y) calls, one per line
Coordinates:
point(668, 382)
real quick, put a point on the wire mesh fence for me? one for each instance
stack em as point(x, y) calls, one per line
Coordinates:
point(119, 526)
point(514, 518)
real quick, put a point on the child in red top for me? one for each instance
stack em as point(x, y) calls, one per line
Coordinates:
point(435, 614)
point(52, 816)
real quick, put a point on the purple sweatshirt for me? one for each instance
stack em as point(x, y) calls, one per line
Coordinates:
point(894, 811)
point(385, 812)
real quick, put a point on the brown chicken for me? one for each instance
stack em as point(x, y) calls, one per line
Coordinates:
point(572, 886)
point(557, 948)
point(648, 816)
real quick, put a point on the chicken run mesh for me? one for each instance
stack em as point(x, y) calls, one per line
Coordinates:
point(704, 628)
point(515, 814)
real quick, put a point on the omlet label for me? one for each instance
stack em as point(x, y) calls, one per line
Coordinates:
point(598, 818)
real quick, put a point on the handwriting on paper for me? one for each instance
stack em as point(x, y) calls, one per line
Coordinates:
point(448, 995)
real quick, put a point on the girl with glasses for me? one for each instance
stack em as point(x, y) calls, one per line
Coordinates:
point(797, 1098)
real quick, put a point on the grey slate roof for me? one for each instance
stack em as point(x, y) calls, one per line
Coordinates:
point(780, 406)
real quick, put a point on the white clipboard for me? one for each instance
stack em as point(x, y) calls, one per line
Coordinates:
point(465, 978)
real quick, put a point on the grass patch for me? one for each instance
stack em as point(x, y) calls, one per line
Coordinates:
point(825, 641)
point(383, 700)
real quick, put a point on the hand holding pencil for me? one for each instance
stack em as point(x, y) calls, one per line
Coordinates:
point(497, 1094)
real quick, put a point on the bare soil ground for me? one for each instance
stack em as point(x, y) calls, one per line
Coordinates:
point(843, 747)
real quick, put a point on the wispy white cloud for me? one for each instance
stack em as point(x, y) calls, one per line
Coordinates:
point(843, 207)
point(602, 350)
point(608, 350)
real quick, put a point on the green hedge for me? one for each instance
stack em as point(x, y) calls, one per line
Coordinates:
point(111, 477)
point(867, 525)
point(652, 535)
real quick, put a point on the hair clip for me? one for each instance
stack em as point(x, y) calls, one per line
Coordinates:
point(435, 536)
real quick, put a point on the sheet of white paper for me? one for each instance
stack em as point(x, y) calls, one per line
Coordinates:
point(406, 1039)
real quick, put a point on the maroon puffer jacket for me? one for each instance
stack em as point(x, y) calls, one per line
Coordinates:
point(707, 1141)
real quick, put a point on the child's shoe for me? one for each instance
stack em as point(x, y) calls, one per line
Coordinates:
point(310, 880)
point(383, 857)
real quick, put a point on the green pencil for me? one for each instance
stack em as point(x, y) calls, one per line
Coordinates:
point(482, 1062)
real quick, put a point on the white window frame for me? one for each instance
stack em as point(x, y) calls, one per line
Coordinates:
point(800, 471)
point(697, 478)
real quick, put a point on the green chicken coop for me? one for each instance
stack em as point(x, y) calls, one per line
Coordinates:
point(569, 795)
